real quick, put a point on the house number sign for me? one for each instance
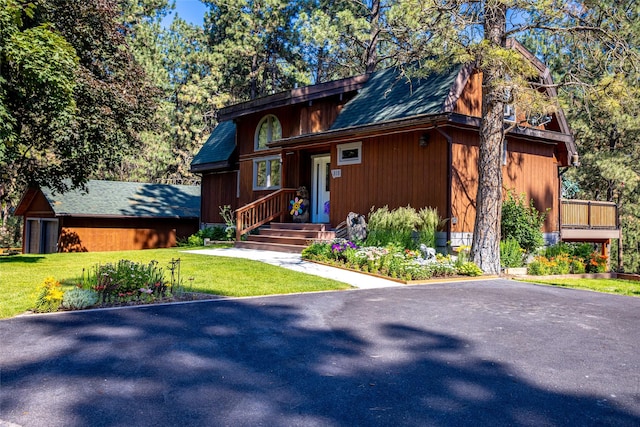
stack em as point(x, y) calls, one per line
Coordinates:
point(336, 173)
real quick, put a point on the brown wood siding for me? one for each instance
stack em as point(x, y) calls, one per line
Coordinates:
point(318, 117)
point(531, 169)
point(470, 101)
point(39, 207)
point(395, 171)
point(218, 189)
point(98, 234)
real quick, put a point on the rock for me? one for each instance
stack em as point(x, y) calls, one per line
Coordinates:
point(356, 227)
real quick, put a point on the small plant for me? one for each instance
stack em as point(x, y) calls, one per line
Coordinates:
point(318, 251)
point(48, 296)
point(597, 263)
point(576, 265)
point(539, 266)
point(511, 254)
point(469, 269)
point(228, 216)
point(79, 298)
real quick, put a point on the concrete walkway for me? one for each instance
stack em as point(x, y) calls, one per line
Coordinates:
point(295, 262)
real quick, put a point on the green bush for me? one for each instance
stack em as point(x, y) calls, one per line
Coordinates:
point(211, 233)
point(78, 298)
point(469, 269)
point(558, 249)
point(402, 227)
point(129, 281)
point(522, 222)
point(511, 254)
point(317, 251)
point(539, 267)
point(577, 266)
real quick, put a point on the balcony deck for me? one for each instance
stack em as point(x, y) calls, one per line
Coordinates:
point(588, 220)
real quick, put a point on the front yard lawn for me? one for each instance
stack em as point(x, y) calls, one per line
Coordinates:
point(610, 286)
point(21, 274)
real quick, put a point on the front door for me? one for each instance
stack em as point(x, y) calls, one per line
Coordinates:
point(321, 179)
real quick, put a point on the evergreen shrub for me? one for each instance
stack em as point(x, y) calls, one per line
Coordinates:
point(522, 222)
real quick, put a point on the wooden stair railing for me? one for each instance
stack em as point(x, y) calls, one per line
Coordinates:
point(263, 210)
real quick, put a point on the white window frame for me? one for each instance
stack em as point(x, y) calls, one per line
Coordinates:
point(270, 119)
point(268, 161)
point(343, 148)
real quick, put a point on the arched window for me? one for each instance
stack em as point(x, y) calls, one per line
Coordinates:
point(268, 130)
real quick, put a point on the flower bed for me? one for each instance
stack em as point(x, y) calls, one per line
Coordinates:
point(115, 284)
point(390, 261)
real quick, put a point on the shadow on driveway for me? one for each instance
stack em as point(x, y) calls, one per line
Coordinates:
point(346, 358)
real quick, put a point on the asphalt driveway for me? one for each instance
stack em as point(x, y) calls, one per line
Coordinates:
point(475, 353)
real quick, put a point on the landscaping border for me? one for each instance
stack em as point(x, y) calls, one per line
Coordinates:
point(611, 275)
point(409, 282)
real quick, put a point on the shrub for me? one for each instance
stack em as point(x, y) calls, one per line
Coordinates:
point(79, 298)
point(318, 251)
point(428, 224)
point(557, 249)
point(522, 222)
point(129, 281)
point(469, 269)
point(48, 296)
point(597, 263)
point(561, 264)
point(403, 227)
point(212, 233)
point(511, 254)
point(576, 265)
point(540, 266)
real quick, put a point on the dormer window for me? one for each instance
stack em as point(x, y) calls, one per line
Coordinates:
point(268, 130)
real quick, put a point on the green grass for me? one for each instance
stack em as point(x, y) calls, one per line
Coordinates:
point(21, 274)
point(609, 286)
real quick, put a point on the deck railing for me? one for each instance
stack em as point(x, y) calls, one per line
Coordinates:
point(263, 210)
point(588, 214)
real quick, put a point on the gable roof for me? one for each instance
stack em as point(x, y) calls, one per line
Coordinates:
point(388, 95)
point(217, 150)
point(122, 199)
point(387, 98)
point(293, 96)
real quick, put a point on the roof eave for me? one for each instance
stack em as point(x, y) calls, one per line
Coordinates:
point(293, 96)
point(362, 129)
point(213, 166)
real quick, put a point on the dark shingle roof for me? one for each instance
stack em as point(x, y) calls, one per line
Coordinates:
point(133, 199)
point(218, 147)
point(388, 95)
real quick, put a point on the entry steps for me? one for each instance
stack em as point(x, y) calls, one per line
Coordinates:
point(286, 237)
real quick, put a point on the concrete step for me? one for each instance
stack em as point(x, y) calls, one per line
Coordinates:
point(293, 249)
point(299, 226)
point(283, 239)
point(308, 234)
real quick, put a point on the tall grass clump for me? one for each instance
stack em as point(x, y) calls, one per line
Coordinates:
point(403, 227)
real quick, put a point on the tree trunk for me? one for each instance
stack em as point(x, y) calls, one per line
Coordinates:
point(485, 247)
point(371, 54)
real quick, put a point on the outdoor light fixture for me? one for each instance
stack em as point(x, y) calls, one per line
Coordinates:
point(424, 139)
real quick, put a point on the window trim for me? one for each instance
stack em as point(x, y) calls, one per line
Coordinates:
point(270, 119)
point(342, 148)
point(268, 160)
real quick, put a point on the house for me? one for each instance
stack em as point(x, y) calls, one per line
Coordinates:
point(108, 216)
point(384, 139)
